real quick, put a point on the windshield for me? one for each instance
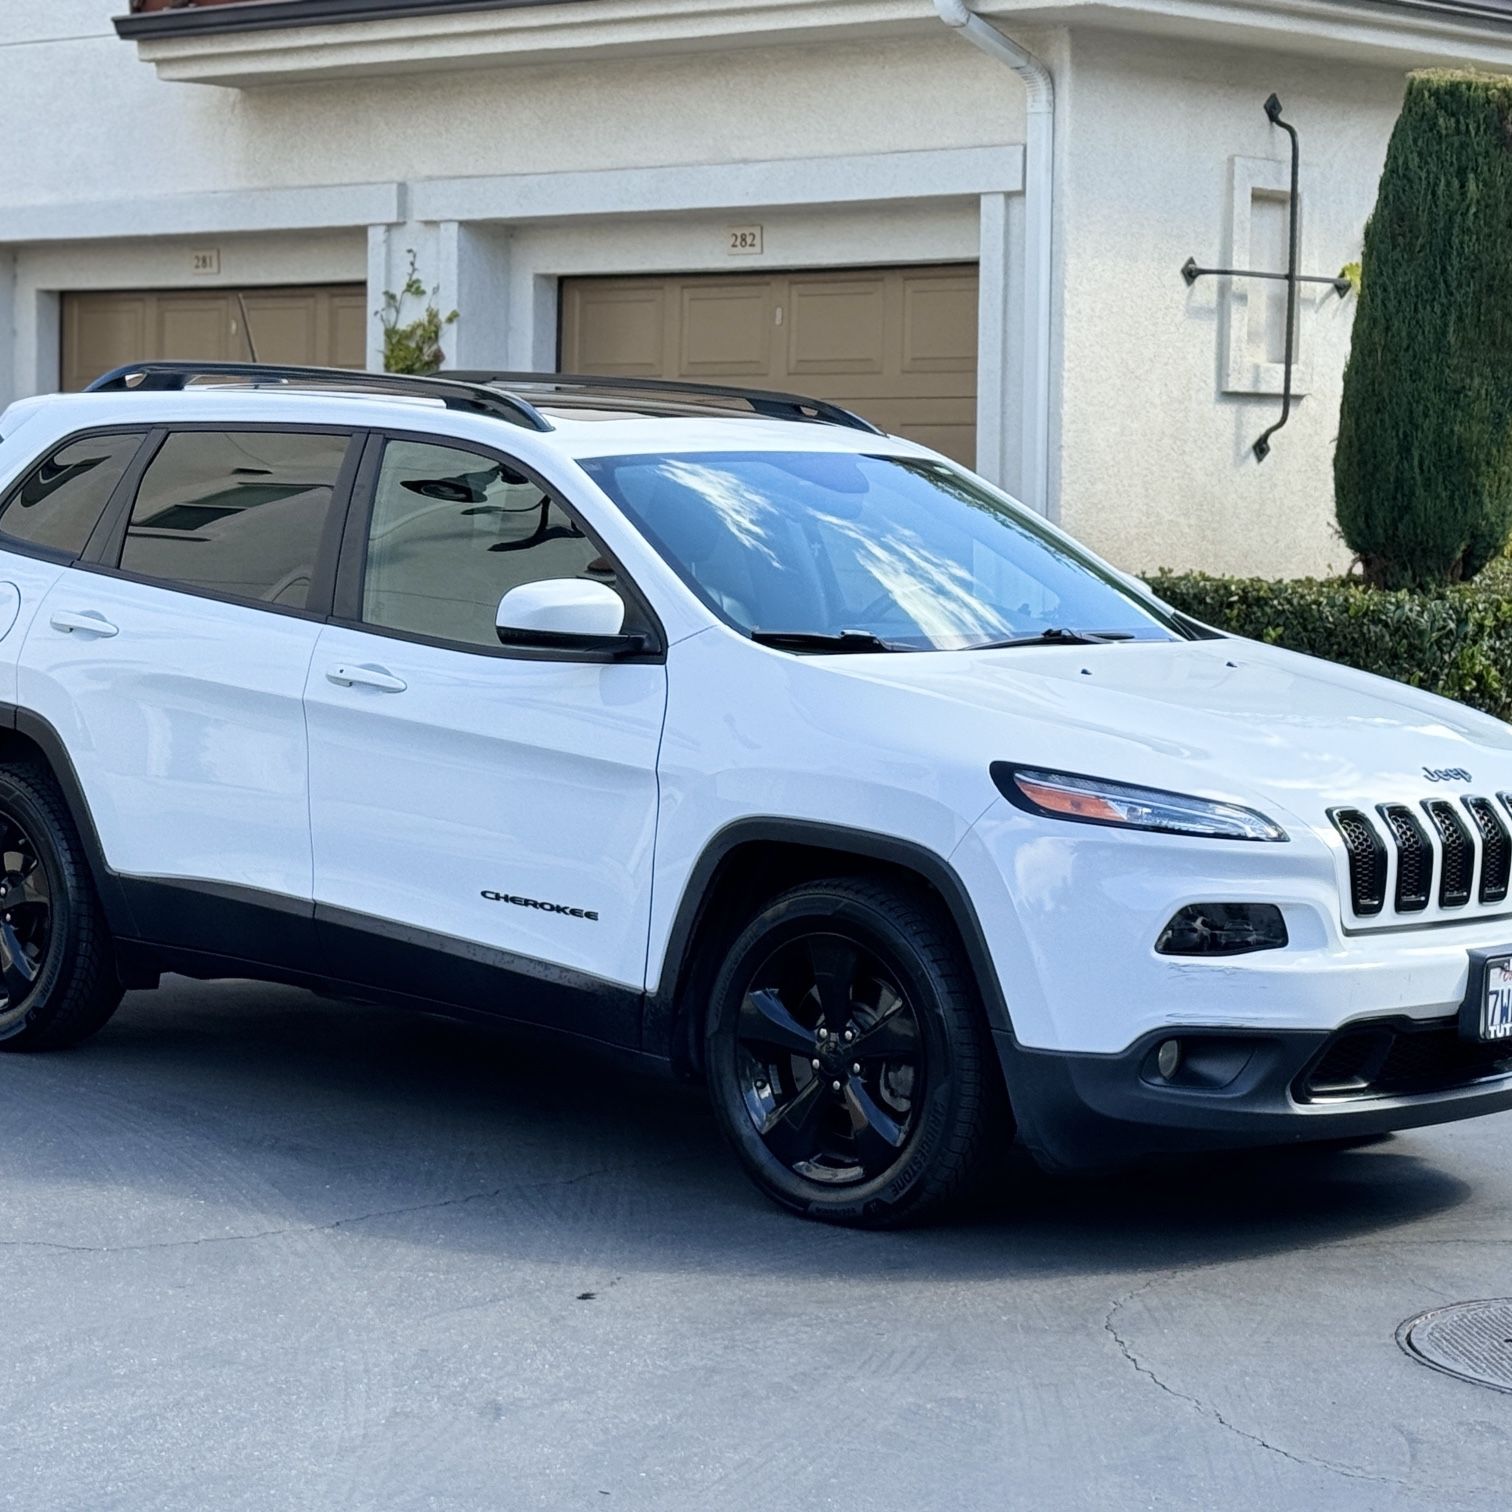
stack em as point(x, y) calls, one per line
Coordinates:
point(909, 551)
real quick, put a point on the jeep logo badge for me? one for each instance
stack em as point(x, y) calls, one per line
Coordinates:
point(1446, 774)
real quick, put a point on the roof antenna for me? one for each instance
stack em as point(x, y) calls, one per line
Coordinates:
point(246, 326)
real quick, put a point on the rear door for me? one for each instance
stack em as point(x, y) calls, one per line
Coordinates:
point(46, 520)
point(483, 820)
point(173, 666)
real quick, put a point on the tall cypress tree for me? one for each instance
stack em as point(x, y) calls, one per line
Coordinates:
point(1423, 468)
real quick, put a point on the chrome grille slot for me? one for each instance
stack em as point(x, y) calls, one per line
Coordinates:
point(1496, 849)
point(1458, 867)
point(1367, 860)
point(1414, 883)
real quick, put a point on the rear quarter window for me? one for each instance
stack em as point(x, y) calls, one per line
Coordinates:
point(61, 499)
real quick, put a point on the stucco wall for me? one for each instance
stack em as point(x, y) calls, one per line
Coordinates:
point(99, 123)
point(1156, 468)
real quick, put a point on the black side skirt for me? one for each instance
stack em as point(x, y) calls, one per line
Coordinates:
point(208, 929)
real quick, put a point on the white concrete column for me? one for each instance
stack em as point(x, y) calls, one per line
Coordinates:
point(473, 272)
point(1002, 385)
point(35, 318)
point(994, 349)
point(10, 366)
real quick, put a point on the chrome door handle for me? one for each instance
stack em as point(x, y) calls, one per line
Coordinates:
point(348, 676)
point(84, 619)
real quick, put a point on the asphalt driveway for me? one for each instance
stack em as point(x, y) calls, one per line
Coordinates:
point(261, 1250)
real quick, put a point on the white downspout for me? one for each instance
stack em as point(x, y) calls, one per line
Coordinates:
point(1039, 197)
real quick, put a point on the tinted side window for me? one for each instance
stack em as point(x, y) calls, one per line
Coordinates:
point(452, 532)
point(235, 512)
point(62, 498)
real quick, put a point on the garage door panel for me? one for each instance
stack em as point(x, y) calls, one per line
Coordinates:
point(898, 345)
point(618, 330)
point(349, 330)
point(198, 329)
point(287, 328)
point(727, 330)
point(939, 325)
point(837, 326)
point(96, 330)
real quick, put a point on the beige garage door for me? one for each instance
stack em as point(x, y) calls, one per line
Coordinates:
point(325, 325)
point(898, 345)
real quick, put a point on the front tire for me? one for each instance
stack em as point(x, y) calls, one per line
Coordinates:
point(848, 1058)
point(58, 980)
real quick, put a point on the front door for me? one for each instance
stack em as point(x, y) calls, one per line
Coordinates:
point(483, 822)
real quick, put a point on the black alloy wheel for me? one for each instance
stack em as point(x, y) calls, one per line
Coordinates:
point(58, 978)
point(848, 1057)
point(26, 917)
point(830, 1062)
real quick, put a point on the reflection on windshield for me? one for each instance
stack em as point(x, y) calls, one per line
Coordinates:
point(739, 505)
point(909, 551)
point(938, 595)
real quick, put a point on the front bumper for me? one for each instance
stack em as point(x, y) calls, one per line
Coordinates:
point(1239, 1088)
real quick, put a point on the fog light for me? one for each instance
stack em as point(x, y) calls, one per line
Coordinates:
point(1168, 1058)
point(1209, 929)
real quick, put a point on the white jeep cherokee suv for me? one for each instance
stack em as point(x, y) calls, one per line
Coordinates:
point(724, 729)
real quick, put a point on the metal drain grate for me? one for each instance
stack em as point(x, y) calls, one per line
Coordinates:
point(1471, 1340)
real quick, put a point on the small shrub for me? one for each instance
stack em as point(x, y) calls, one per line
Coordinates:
point(1423, 468)
point(413, 346)
point(1456, 641)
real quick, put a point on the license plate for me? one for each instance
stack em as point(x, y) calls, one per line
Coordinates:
point(1496, 999)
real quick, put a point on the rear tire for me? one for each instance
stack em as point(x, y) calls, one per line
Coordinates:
point(848, 1057)
point(58, 979)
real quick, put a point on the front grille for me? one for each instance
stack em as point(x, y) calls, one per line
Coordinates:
point(1414, 881)
point(1367, 860)
point(1457, 864)
point(1399, 1060)
point(1496, 849)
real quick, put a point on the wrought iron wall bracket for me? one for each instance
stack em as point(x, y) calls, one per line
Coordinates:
point(1191, 272)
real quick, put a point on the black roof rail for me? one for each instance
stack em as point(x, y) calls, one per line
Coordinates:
point(769, 402)
point(454, 393)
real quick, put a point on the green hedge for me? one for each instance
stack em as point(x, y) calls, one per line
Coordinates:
point(1455, 641)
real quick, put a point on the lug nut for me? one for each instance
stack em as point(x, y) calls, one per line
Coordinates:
point(856, 1068)
point(849, 1036)
point(834, 1086)
point(815, 1063)
point(824, 1034)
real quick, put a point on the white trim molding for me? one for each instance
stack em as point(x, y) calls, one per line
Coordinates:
point(890, 177)
point(220, 213)
point(444, 41)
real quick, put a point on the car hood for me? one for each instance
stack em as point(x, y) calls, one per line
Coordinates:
point(1228, 717)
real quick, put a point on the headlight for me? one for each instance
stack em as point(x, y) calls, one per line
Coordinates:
point(1095, 800)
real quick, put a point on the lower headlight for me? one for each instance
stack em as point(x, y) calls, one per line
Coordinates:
point(1098, 800)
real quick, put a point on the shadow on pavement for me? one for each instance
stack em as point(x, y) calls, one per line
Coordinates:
point(274, 1110)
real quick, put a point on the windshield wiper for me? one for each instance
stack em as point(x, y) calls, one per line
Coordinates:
point(819, 640)
point(1056, 635)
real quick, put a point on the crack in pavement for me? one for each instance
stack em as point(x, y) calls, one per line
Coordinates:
point(310, 1228)
point(1350, 1472)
